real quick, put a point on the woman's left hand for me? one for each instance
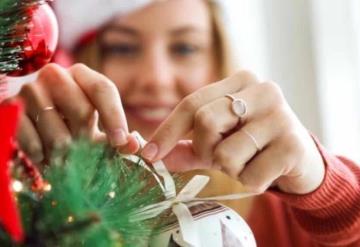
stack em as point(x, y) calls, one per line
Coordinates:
point(268, 146)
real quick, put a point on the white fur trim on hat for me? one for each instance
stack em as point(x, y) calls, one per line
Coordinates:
point(78, 17)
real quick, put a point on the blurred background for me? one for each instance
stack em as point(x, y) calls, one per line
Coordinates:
point(312, 49)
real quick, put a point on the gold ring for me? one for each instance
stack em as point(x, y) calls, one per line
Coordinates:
point(252, 139)
point(47, 108)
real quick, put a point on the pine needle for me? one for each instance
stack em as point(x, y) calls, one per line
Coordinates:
point(93, 193)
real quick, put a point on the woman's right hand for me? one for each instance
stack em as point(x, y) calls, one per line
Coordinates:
point(65, 103)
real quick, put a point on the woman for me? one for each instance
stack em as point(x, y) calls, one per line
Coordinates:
point(162, 60)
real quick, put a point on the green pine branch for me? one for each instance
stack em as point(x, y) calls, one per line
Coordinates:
point(93, 193)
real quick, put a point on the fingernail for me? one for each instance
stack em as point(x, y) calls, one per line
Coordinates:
point(150, 151)
point(118, 137)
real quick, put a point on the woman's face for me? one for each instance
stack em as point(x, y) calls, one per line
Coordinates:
point(156, 56)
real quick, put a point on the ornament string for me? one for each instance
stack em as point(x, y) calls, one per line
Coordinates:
point(179, 203)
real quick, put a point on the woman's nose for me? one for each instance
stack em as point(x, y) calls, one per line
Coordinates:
point(156, 69)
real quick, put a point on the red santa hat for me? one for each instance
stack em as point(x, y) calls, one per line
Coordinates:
point(79, 19)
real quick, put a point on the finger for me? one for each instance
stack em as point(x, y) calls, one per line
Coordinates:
point(105, 97)
point(239, 148)
point(68, 98)
point(49, 124)
point(282, 165)
point(180, 122)
point(94, 133)
point(182, 158)
point(217, 119)
point(132, 145)
point(29, 140)
point(265, 168)
point(99, 137)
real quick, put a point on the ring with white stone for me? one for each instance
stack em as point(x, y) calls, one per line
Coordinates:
point(238, 106)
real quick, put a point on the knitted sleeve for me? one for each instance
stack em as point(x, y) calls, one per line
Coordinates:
point(331, 214)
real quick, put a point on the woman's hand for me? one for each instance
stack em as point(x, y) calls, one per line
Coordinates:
point(64, 103)
point(283, 153)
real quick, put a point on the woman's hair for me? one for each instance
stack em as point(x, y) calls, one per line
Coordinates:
point(90, 53)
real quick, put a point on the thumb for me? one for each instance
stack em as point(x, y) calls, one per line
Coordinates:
point(183, 158)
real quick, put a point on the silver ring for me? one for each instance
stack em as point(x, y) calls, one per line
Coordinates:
point(47, 108)
point(238, 106)
point(253, 139)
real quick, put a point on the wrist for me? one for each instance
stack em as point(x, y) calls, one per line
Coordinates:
point(308, 181)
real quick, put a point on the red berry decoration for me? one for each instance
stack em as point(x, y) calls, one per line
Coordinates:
point(40, 40)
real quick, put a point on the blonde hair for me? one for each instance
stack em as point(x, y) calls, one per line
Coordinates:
point(90, 54)
point(222, 38)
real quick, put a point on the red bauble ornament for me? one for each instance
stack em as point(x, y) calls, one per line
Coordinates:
point(40, 42)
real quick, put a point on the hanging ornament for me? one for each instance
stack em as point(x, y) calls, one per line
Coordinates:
point(9, 217)
point(217, 226)
point(192, 221)
point(31, 38)
point(40, 42)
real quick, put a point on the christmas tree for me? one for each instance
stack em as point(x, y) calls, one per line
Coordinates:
point(87, 199)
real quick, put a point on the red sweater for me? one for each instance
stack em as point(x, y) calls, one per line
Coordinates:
point(329, 216)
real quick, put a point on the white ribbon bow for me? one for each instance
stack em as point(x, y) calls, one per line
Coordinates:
point(178, 203)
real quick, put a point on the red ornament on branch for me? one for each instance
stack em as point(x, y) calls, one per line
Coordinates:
point(9, 216)
point(42, 34)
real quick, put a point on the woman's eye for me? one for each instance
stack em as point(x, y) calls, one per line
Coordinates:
point(184, 49)
point(120, 50)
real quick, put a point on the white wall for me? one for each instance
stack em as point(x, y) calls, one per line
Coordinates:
point(311, 48)
point(247, 27)
point(273, 39)
point(290, 57)
point(336, 30)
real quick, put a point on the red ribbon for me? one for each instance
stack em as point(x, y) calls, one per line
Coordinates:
point(9, 216)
